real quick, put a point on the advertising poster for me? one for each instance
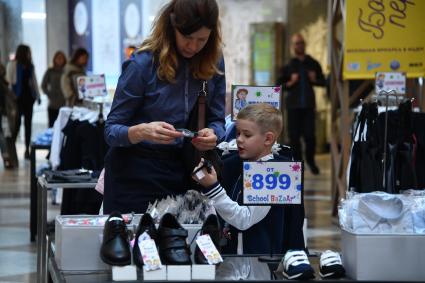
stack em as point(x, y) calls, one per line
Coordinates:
point(106, 37)
point(130, 26)
point(81, 27)
point(243, 95)
point(384, 36)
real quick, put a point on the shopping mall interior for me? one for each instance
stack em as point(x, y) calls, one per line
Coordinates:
point(256, 37)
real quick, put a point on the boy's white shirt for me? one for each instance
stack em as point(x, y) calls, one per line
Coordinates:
point(241, 217)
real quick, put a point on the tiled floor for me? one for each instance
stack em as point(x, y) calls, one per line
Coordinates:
point(18, 254)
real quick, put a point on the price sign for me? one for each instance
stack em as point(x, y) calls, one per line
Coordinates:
point(91, 87)
point(390, 81)
point(272, 183)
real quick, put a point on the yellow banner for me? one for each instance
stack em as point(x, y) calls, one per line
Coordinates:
point(384, 36)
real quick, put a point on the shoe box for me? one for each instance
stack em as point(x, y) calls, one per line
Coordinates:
point(386, 257)
point(78, 239)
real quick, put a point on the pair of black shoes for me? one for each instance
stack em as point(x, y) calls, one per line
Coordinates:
point(170, 238)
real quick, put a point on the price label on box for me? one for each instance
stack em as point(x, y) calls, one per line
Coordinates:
point(272, 183)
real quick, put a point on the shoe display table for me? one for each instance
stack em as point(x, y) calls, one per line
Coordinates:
point(42, 238)
point(33, 187)
point(247, 268)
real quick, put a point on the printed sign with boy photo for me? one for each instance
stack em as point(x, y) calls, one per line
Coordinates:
point(91, 87)
point(244, 95)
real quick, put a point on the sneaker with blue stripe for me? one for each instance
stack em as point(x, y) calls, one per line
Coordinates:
point(297, 266)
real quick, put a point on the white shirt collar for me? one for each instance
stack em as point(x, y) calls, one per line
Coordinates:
point(266, 157)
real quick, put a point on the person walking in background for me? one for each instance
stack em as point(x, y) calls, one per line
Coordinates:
point(51, 86)
point(4, 89)
point(21, 76)
point(298, 78)
point(73, 69)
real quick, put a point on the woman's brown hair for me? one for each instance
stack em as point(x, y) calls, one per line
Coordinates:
point(57, 54)
point(187, 16)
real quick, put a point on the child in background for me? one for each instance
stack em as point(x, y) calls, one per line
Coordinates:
point(253, 229)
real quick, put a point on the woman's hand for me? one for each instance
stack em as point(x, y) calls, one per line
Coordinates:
point(205, 140)
point(203, 177)
point(157, 132)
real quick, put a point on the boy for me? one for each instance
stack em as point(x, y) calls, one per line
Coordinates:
point(240, 101)
point(253, 229)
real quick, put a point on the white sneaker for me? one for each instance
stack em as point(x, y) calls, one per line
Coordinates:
point(331, 265)
point(296, 265)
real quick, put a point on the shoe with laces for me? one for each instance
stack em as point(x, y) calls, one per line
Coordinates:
point(331, 265)
point(296, 265)
point(115, 249)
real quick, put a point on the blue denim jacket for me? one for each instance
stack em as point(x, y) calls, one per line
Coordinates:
point(141, 97)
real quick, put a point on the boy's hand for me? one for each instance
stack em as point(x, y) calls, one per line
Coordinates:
point(208, 179)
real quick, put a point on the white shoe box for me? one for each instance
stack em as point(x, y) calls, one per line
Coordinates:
point(124, 273)
point(77, 247)
point(179, 272)
point(203, 272)
point(158, 275)
point(385, 257)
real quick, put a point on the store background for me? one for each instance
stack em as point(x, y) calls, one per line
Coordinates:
point(47, 26)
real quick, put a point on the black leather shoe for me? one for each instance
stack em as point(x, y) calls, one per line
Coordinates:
point(173, 248)
point(211, 227)
point(115, 249)
point(147, 225)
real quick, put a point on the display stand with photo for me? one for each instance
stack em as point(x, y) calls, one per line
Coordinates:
point(243, 95)
point(92, 90)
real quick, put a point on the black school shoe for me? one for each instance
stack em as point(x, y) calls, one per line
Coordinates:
point(331, 265)
point(173, 249)
point(115, 249)
point(147, 225)
point(211, 227)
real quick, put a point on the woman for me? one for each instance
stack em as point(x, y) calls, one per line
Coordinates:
point(73, 69)
point(21, 76)
point(51, 86)
point(155, 94)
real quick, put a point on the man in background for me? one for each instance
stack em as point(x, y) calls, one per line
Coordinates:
point(298, 78)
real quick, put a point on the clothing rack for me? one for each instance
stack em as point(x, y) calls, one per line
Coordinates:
point(96, 106)
point(394, 96)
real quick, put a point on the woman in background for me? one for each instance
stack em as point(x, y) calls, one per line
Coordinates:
point(51, 86)
point(21, 76)
point(73, 69)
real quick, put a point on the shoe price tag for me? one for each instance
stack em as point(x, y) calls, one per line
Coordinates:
point(208, 249)
point(151, 260)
